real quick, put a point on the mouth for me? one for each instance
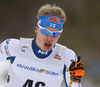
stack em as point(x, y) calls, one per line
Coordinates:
point(48, 44)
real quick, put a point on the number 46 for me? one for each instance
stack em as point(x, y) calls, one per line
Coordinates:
point(29, 83)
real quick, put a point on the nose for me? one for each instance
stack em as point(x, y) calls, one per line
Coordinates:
point(49, 37)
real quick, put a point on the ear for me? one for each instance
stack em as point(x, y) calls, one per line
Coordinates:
point(36, 30)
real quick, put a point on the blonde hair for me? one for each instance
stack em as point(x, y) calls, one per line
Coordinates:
point(51, 10)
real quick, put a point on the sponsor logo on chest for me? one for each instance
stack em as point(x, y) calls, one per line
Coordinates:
point(37, 70)
point(24, 48)
point(57, 56)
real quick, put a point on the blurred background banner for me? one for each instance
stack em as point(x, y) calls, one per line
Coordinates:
point(81, 30)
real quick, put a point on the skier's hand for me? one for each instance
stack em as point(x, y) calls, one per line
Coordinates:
point(76, 70)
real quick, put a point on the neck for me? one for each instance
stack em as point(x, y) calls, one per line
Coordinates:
point(38, 52)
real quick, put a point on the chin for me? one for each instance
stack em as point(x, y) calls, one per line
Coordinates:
point(47, 49)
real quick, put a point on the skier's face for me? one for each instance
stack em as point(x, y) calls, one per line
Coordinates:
point(46, 42)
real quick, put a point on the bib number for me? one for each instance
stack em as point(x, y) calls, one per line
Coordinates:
point(29, 83)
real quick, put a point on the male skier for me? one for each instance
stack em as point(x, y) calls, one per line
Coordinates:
point(41, 61)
